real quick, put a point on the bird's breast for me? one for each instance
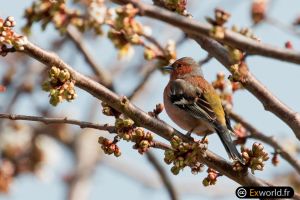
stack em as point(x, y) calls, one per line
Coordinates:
point(183, 119)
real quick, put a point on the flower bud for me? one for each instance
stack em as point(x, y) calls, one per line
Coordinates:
point(175, 170)
point(205, 182)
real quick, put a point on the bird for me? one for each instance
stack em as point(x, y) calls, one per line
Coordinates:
point(194, 105)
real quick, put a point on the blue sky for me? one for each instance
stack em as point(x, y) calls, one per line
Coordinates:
point(280, 77)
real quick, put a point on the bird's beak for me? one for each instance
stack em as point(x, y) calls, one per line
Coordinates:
point(168, 68)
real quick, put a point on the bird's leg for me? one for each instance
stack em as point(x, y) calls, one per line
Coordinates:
point(204, 138)
point(189, 133)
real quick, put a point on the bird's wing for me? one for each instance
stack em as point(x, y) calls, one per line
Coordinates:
point(228, 123)
point(191, 99)
point(206, 106)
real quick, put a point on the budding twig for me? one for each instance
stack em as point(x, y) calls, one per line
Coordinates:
point(231, 38)
point(141, 118)
point(269, 101)
point(57, 120)
point(256, 134)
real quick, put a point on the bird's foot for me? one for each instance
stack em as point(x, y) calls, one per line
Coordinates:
point(204, 139)
point(189, 133)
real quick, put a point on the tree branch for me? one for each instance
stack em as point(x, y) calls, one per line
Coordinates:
point(161, 145)
point(141, 118)
point(281, 26)
point(163, 175)
point(65, 120)
point(81, 182)
point(254, 133)
point(100, 92)
point(231, 38)
point(155, 43)
point(269, 101)
point(102, 75)
point(150, 70)
point(81, 124)
point(205, 60)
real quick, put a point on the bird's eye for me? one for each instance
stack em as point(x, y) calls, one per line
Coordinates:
point(176, 65)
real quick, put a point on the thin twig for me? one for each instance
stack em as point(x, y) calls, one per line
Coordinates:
point(161, 145)
point(103, 76)
point(254, 133)
point(151, 157)
point(85, 144)
point(95, 68)
point(281, 26)
point(141, 118)
point(81, 180)
point(18, 92)
point(65, 120)
point(150, 70)
point(205, 60)
point(163, 175)
point(231, 38)
point(155, 43)
point(81, 124)
point(159, 47)
point(269, 101)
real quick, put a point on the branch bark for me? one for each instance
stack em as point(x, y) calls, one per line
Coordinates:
point(269, 101)
point(81, 181)
point(81, 124)
point(151, 157)
point(231, 38)
point(195, 29)
point(141, 118)
point(163, 175)
point(102, 75)
point(150, 70)
point(65, 120)
point(254, 133)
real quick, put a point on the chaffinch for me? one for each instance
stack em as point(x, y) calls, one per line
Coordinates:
point(193, 104)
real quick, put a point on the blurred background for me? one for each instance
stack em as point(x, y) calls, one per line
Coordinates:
point(65, 160)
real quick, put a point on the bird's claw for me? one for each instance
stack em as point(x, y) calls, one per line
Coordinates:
point(204, 139)
point(189, 133)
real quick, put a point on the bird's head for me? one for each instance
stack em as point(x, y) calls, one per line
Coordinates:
point(182, 67)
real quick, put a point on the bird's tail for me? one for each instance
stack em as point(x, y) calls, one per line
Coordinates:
point(225, 136)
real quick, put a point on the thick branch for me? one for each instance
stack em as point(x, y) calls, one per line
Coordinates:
point(231, 38)
point(99, 91)
point(269, 101)
point(254, 133)
point(141, 118)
